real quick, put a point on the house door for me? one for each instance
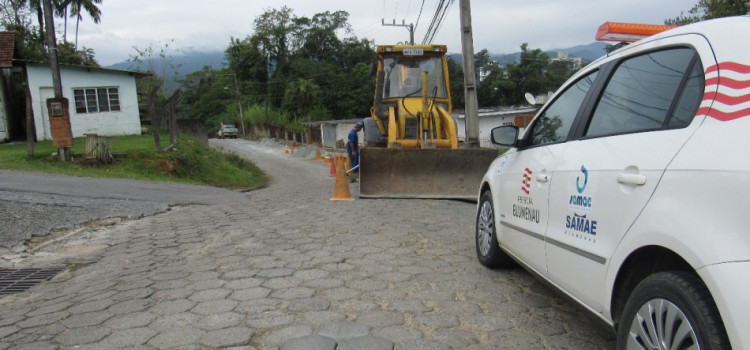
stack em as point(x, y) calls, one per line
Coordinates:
point(329, 136)
point(44, 94)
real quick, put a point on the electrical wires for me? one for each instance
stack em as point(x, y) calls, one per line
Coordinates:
point(437, 20)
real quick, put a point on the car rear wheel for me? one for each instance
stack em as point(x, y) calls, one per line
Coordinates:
point(671, 310)
point(488, 250)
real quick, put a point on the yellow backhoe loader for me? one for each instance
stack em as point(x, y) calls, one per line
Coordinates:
point(411, 145)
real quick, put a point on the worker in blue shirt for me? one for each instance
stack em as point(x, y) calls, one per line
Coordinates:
point(352, 147)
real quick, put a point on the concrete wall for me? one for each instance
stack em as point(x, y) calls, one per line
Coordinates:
point(126, 121)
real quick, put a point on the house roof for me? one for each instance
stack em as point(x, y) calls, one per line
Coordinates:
point(7, 49)
point(90, 68)
point(333, 122)
point(496, 111)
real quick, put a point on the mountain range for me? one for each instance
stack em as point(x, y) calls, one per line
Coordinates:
point(191, 61)
point(587, 53)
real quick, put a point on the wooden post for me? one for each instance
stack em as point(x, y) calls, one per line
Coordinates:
point(91, 143)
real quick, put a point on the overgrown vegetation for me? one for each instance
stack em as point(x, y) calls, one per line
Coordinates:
point(135, 158)
point(25, 18)
point(290, 70)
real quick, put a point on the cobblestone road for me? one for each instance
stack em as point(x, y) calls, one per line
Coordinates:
point(288, 269)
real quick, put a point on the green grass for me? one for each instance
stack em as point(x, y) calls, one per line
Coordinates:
point(135, 158)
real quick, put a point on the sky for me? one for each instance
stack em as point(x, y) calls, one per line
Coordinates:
point(500, 26)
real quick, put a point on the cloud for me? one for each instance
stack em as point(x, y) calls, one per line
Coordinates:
point(499, 26)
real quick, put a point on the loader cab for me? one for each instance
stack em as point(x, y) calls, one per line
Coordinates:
point(412, 103)
point(403, 77)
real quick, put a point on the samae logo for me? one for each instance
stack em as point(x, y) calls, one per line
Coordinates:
point(579, 201)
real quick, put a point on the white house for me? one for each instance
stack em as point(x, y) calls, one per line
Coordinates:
point(490, 118)
point(101, 101)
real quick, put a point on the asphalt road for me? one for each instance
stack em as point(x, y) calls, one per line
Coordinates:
point(36, 204)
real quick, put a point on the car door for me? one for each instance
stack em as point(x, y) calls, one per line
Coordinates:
point(525, 175)
point(644, 114)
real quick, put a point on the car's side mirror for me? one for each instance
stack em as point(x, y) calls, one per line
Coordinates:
point(505, 135)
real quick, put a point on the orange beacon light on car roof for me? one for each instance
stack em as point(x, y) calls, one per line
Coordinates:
point(628, 32)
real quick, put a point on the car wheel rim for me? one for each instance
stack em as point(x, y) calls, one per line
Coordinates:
point(660, 324)
point(485, 224)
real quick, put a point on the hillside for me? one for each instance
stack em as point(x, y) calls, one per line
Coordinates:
point(192, 61)
point(177, 67)
point(588, 53)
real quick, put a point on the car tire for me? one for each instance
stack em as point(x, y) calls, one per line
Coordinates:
point(488, 250)
point(665, 300)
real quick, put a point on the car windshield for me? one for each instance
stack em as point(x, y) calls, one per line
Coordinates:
point(403, 76)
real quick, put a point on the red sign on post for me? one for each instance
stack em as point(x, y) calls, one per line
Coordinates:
point(59, 121)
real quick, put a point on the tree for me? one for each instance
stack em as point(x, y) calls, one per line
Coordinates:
point(276, 34)
point(529, 74)
point(302, 94)
point(67, 54)
point(17, 17)
point(61, 10)
point(15, 13)
point(496, 89)
point(292, 69)
point(708, 9)
point(151, 94)
point(79, 7)
point(319, 34)
point(456, 77)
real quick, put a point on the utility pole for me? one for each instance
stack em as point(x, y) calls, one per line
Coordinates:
point(62, 136)
point(470, 81)
point(239, 100)
point(409, 27)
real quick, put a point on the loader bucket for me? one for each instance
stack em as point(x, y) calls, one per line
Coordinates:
point(423, 173)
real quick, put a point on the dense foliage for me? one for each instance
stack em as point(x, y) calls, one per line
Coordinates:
point(536, 73)
point(291, 69)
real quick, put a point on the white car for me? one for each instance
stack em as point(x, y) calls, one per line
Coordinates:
point(630, 190)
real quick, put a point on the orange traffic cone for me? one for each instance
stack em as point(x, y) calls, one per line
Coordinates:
point(318, 156)
point(333, 167)
point(327, 158)
point(341, 190)
point(286, 150)
point(293, 144)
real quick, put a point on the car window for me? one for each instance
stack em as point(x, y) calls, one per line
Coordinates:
point(690, 98)
point(640, 93)
point(554, 123)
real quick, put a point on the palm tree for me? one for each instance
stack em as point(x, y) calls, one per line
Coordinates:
point(78, 7)
point(36, 6)
point(61, 10)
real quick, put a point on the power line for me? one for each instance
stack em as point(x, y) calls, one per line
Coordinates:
point(434, 19)
point(437, 19)
point(420, 15)
point(441, 20)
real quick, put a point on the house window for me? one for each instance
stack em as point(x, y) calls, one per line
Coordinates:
point(96, 100)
